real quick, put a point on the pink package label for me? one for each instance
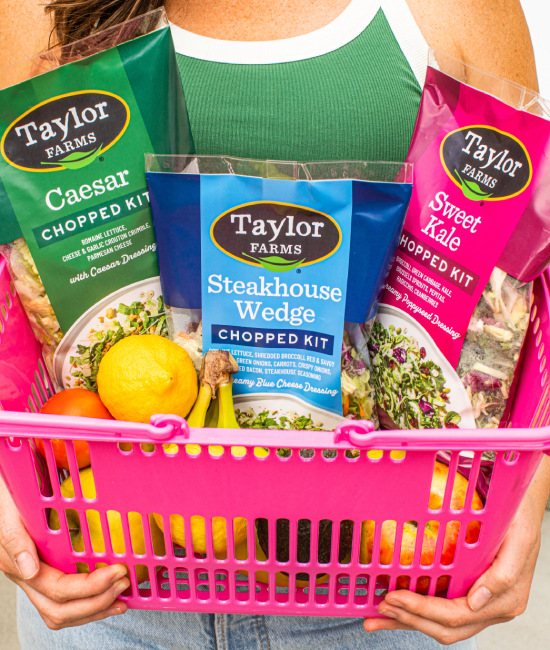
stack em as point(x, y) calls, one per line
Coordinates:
point(474, 178)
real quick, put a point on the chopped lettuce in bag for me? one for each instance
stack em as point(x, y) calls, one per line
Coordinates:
point(281, 264)
point(76, 227)
point(448, 336)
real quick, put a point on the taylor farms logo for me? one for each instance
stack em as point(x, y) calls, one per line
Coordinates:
point(487, 164)
point(276, 236)
point(65, 132)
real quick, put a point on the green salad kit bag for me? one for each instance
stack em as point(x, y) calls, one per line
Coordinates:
point(75, 221)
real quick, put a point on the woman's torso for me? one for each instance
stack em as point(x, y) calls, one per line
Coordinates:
point(349, 91)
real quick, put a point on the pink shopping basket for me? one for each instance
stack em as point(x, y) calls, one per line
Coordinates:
point(391, 484)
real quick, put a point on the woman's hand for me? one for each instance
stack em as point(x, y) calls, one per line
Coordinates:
point(62, 600)
point(499, 595)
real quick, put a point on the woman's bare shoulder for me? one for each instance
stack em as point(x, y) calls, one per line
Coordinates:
point(25, 30)
point(488, 34)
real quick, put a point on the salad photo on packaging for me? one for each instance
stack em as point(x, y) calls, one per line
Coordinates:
point(76, 227)
point(281, 264)
point(447, 341)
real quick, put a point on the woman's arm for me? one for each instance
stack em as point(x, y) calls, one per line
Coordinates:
point(61, 600)
point(498, 596)
point(489, 34)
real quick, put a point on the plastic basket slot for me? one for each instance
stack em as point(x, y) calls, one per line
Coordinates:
point(9, 301)
point(543, 364)
point(4, 312)
point(409, 532)
point(341, 588)
point(46, 381)
point(536, 326)
point(381, 588)
point(387, 542)
point(430, 546)
point(164, 590)
point(422, 586)
point(473, 533)
point(403, 582)
point(242, 587)
point(154, 538)
point(539, 345)
point(82, 567)
point(360, 595)
point(544, 378)
point(1, 326)
point(183, 591)
point(202, 585)
point(534, 309)
point(221, 585)
point(33, 408)
point(448, 552)
point(143, 581)
point(375, 455)
point(511, 457)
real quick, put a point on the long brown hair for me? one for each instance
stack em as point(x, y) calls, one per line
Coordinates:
point(76, 19)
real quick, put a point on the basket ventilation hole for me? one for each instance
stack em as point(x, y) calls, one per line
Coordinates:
point(381, 588)
point(375, 454)
point(41, 395)
point(342, 589)
point(536, 326)
point(544, 378)
point(183, 590)
point(543, 364)
point(423, 585)
point(511, 457)
point(473, 532)
point(157, 537)
point(361, 590)
point(143, 581)
point(1, 326)
point(533, 313)
point(32, 405)
point(431, 532)
point(9, 301)
point(368, 528)
point(12, 289)
point(449, 550)
point(389, 529)
point(408, 543)
point(4, 312)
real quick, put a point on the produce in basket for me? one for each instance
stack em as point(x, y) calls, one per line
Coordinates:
point(447, 339)
point(78, 239)
point(144, 375)
point(388, 534)
point(115, 531)
point(75, 402)
point(281, 264)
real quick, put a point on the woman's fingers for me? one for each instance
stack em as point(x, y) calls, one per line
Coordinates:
point(114, 610)
point(62, 587)
point(20, 559)
point(71, 612)
point(515, 560)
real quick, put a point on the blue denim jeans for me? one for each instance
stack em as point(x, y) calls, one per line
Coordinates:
point(140, 630)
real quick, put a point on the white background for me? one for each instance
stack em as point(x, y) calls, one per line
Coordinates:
point(537, 13)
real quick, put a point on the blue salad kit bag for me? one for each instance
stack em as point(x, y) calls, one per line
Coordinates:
point(282, 264)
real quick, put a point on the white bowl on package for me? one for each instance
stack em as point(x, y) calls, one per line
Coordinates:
point(458, 397)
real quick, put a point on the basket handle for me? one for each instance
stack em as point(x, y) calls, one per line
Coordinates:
point(168, 426)
point(356, 432)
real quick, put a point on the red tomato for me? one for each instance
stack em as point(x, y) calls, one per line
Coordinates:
point(73, 401)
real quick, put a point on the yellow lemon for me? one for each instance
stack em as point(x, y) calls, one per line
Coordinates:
point(199, 534)
point(115, 526)
point(144, 375)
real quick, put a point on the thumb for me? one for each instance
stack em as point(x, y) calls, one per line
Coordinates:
point(22, 559)
point(505, 571)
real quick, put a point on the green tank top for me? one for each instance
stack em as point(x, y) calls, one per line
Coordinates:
point(356, 102)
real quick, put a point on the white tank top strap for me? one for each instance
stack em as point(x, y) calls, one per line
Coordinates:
point(355, 18)
point(408, 35)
